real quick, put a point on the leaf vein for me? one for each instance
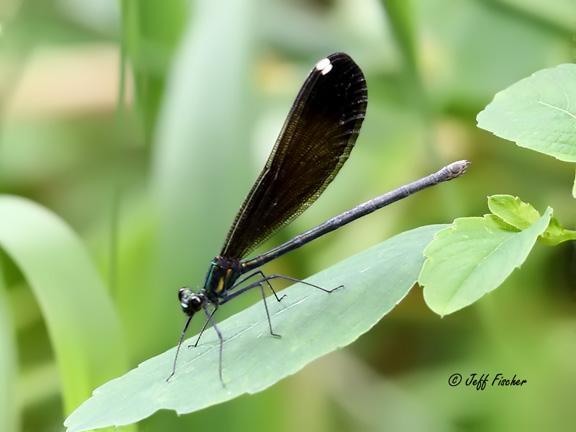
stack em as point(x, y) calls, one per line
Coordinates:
point(562, 110)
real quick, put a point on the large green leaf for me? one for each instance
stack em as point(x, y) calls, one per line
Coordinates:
point(83, 326)
point(473, 257)
point(312, 323)
point(538, 112)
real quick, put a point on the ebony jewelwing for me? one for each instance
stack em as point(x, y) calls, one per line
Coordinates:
point(316, 139)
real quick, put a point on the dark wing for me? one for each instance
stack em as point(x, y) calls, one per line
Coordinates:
point(314, 143)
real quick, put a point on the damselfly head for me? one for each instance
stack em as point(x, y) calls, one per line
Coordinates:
point(190, 301)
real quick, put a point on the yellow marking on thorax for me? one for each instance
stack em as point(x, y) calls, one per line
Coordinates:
point(220, 285)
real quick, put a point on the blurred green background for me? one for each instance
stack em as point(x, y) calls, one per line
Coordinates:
point(142, 125)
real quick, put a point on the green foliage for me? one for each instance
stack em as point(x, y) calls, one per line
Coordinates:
point(311, 322)
point(402, 22)
point(513, 211)
point(556, 234)
point(81, 319)
point(150, 38)
point(202, 70)
point(197, 159)
point(537, 113)
point(521, 215)
point(476, 254)
point(9, 419)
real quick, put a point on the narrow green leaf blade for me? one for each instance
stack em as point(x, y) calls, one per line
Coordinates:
point(538, 112)
point(201, 169)
point(473, 257)
point(9, 415)
point(83, 326)
point(312, 324)
point(150, 36)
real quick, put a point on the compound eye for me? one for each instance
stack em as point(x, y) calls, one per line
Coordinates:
point(184, 294)
point(196, 301)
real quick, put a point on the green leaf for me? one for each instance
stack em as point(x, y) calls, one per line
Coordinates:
point(538, 112)
point(312, 324)
point(556, 234)
point(9, 414)
point(473, 257)
point(520, 215)
point(150, 36)
point(513, 211)
point(401, 17)
point(83, 326)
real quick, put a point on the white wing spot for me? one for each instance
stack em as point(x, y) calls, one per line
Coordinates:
point(324, 66)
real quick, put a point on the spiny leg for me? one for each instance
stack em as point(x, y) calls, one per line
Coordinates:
point(279, 276)
point(203, 328)
point(267, 312)
point(217, 330)
point(230, 296)
point(251, 275)
point(242, 291)
point(259, 283)
point(180, 340)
